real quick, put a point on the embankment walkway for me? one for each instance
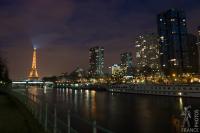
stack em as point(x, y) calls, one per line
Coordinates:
point(15, 118)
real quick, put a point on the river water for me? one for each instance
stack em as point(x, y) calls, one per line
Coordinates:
point(121, 113)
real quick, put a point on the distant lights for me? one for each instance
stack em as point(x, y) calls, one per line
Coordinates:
point(162, 37)
point(180, 93)
point(173, 32)
point(172, 20)
point(173, 60)
point(174, 75)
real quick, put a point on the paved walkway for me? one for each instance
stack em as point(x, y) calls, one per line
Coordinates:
point(15, 118)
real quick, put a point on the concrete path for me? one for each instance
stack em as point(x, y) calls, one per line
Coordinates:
point(15, 118)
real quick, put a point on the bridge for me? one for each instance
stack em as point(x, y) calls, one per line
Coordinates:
point(29, 83)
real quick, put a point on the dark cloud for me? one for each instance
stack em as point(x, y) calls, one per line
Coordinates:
point(64, 30)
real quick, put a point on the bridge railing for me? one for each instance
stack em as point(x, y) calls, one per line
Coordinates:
point(49, 119)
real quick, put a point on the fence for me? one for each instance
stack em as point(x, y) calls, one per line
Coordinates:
point(48, 117)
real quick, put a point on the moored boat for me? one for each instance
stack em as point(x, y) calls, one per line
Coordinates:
point(185, 90)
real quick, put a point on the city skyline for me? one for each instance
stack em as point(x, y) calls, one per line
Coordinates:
point(89, 66)
point(115, 41)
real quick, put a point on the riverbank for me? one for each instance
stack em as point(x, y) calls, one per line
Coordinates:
point(182, 90)
point(15, 118)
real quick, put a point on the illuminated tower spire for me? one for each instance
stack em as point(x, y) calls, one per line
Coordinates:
point(33, 73)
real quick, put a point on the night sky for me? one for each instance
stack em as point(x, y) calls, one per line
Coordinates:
point(64, 30)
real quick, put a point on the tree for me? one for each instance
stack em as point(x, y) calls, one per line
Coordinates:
point(4, 75)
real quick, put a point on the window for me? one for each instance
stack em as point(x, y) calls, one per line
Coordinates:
point(172, 20)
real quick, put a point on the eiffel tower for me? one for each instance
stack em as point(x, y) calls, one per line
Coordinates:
point(33, 73)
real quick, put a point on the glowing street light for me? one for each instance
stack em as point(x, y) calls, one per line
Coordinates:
point(173, 75)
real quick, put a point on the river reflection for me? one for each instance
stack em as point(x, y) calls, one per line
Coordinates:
point(33, 92)
point(121, 112)
point(181, 103)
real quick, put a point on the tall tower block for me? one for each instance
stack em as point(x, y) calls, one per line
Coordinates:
point(172, 30)
point(33, 73)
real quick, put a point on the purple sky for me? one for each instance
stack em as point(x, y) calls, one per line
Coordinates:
point(64, 30)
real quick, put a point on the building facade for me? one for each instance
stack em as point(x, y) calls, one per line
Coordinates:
point(116, 70)
point(198, 33)
point(96, 61)
point(172, 31)
point(193, 53)
point(198, 46)
point(127, 63)
point(147, 54)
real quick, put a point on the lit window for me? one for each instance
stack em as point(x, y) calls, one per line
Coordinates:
point(173, 60)
point(162, 37)
point(137, 54)
point(172, 20)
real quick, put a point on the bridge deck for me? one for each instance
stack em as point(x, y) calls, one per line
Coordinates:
point(15, 118)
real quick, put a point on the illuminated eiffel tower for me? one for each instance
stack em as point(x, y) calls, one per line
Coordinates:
point(33, 73)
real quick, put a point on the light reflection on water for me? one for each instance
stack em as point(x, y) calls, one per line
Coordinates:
point(34, 91)
point(181, 103)
point(121, 112)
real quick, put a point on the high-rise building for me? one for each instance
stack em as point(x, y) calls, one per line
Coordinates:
point(198, 47)
point(126, 59)
point(193, 53)
point(199, 34)
point(147, 54)
point(96, 61)
point(116, 70)
point(172, 31)
point(127, 63)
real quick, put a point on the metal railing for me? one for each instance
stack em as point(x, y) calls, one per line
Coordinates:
point(48, 117)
